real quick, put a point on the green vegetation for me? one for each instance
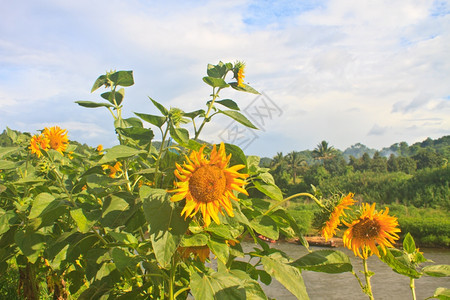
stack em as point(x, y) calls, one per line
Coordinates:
point(414, 181)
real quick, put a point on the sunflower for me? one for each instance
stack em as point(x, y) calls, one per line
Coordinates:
point(239, 73)
point(371, 228)
point(329, 228)
point(58, 139)
point(100, 149)
point(37, 143)
point(208, 185)
point(113, 169)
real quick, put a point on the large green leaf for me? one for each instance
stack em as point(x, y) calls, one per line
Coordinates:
point(160, 107)
point(40, 203)
point(199, 239)
point(244, 88)
point(158, 121)
point(141, 136)
point(123, 260)
point(5, 217)
point(437, 270)
point(119, 152)
point(115, 210)
point(270, 190)
point(101, 80)
point(84, 220)
point(215, 285)
point(253, 290)
point(266, 226)
point(6, 164)
point(408, 244)
point(166, 224)
point(327, 261)
point(220, 249)
point(287, 275)
point(441, 293)
point(180, 135)
point(398, 263)
point(237, 116)
point(91, 104)
point(216, 71)
point(122, 78)
point(215, 82)
point(228, 103)
point(118, 96)
point(31, 244)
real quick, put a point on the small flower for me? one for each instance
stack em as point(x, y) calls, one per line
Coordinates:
point(369, 229)
point(239, 73)
point(100, 149)
point(113, 169)
point(208, 185)
point(37, 143)
point(58, 139)
point(329, 228)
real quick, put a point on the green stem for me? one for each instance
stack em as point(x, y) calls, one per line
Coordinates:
point(368, 287)
point(292, 197)
point(161, 148)
point(413, 288)
point(172, 280)
point(215, 95)
point(181, 291)
point(359, 280)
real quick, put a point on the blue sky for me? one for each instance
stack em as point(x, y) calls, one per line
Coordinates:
point(374, 72)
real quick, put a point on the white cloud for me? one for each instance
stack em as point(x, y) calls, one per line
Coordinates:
point(335, 68)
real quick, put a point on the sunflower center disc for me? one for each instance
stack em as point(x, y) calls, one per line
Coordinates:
point(207, 184)
point(367, 228)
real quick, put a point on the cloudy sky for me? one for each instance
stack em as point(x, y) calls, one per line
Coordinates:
point(374, 72)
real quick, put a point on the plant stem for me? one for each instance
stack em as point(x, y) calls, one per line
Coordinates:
point(368, 287)
point(292, 197)
point(215, 95)
point(161, 148)
point(413, 288)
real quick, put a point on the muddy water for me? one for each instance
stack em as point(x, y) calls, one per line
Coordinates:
point(386, 284)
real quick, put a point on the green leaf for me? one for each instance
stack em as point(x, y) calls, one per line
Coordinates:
point(40, 203)
point(245, 88)
point(397, 263)
point(408, 244)
point(215, 82)
point(220, 249)
point(5, 217)
point(114, 210)
point(140, 136)
point(238, 117)
point(91, 104)
point(7, 150)
point(437, 270)
point(6, 165)
point(194, 114)
point(266, 226)
point(287, 275)
point(196, 240)
point(160, 107)
point(122, 78)
point(118, 95)
point(158, 121)
point(218, 286)
point(253, 161)
point(237, 156)
point(441, 293)
point(228, 103)
point(30, 243)
point(327, 261)
point(101, 80)
point(253, 290)
point(180, 135)
point(272, 191)
point(122, 260)
point(167, 226)
point(216, 71)
point(83, 223)
point(119, 152)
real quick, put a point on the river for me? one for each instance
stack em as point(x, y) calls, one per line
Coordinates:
point(386, 284)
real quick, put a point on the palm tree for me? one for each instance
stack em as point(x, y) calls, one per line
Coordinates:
point(323, 151)
point(294, 161)
point(277, 161)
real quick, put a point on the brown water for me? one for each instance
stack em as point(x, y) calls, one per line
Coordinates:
point(386, 284)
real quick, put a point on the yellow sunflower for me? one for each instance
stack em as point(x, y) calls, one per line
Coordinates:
point(113, 169)
point(37, 143)
point(330, 226)
point(239, 73)
point(208, 185)
point(58, 139)
point(100, 149)
point(371, 228)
